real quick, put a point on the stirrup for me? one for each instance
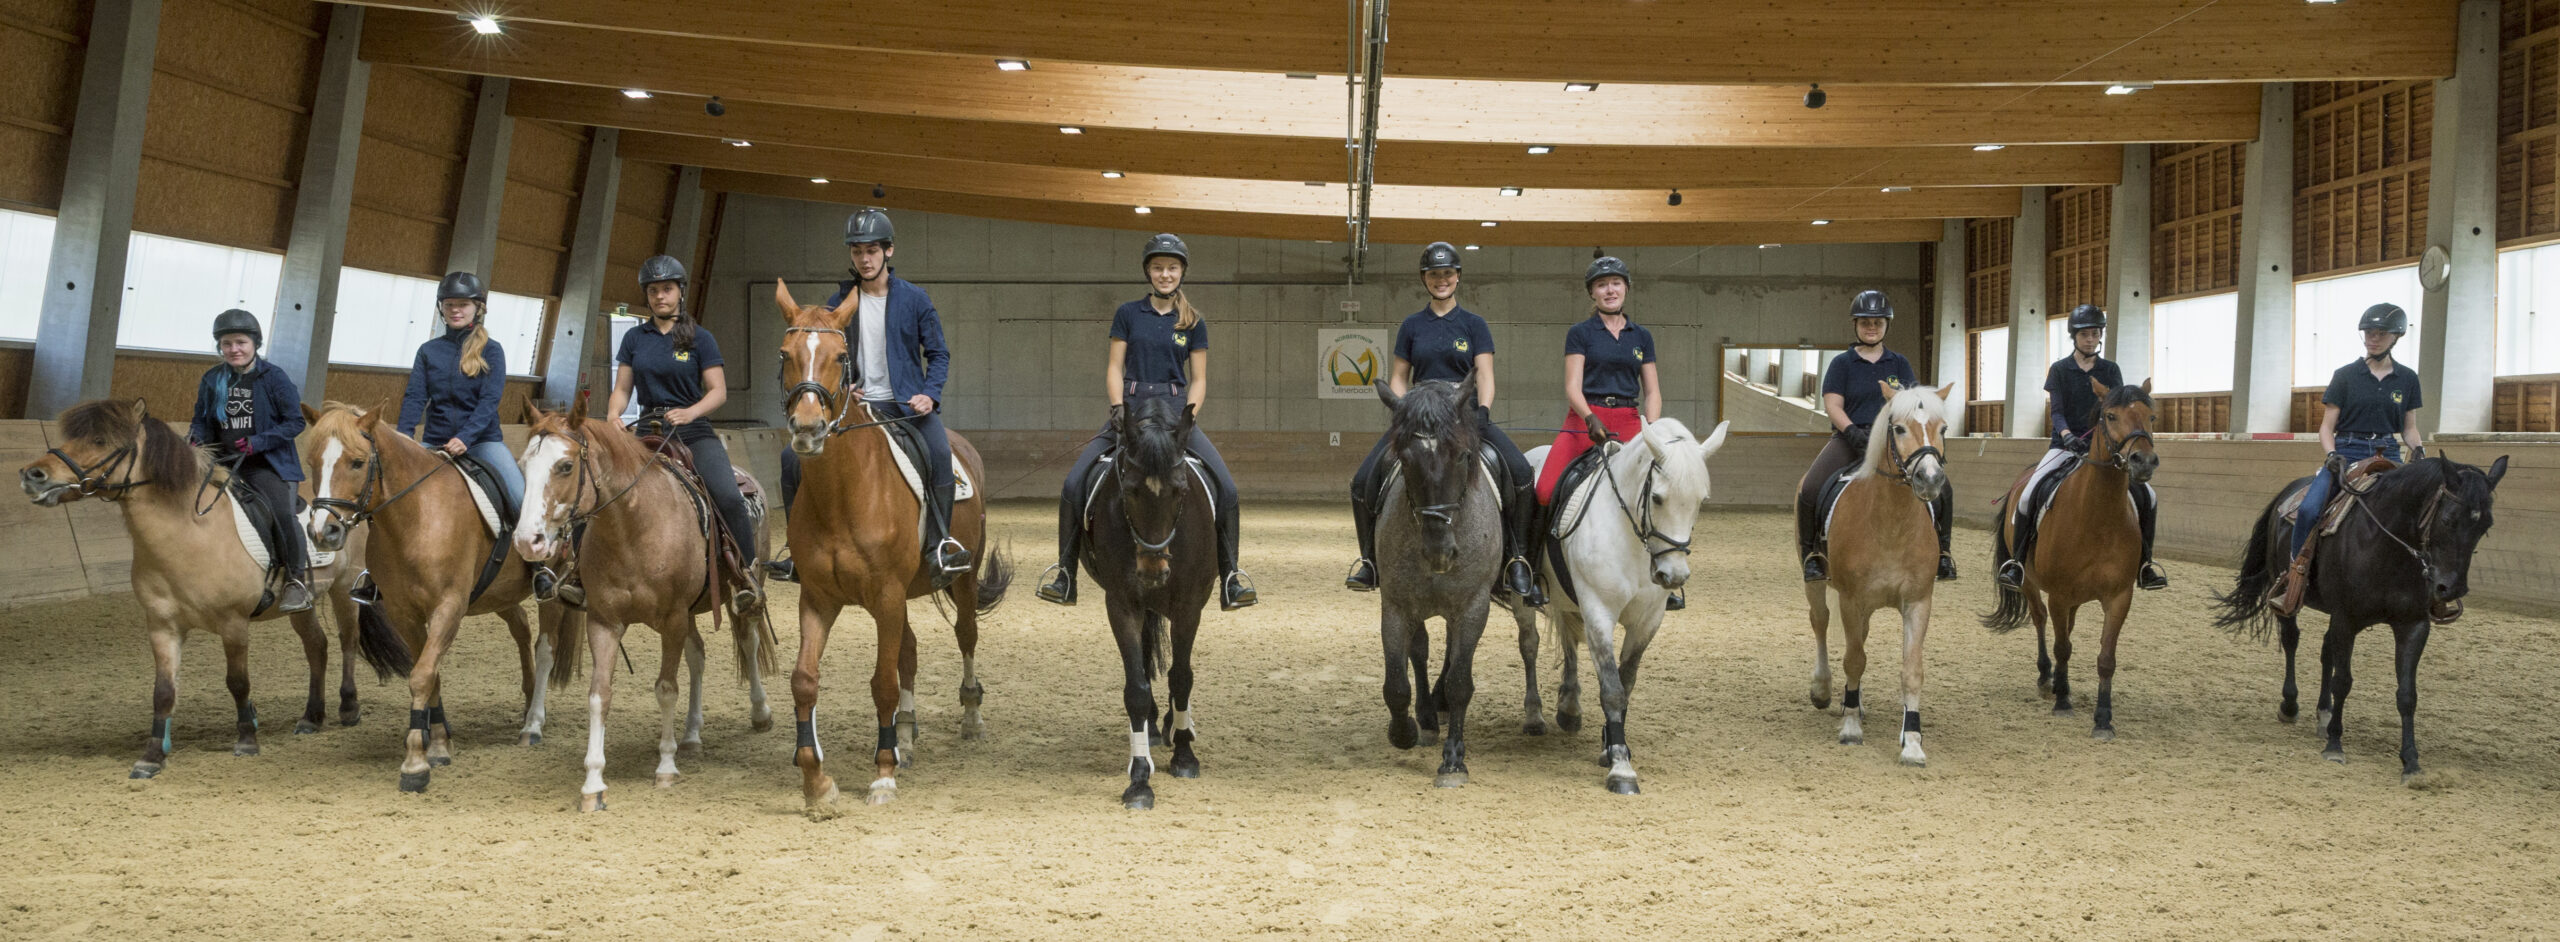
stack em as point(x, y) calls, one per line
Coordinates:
point(1363, 576)
point(1236, 591)
point(951, 556)
point(781, 570)
point(1817, 568)
point(1058, 585)
point(1946, 566)
point(2153, 577)
point(364, 592)
point(2012, 576)
point(285, 601)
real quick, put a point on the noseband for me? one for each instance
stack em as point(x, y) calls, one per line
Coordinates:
point(2426, 539)
point(1905, 465)
point(1643, 525)
point(93, 482)
point(353, 513)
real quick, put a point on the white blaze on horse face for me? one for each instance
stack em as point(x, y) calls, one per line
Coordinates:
point(329, 455)
point(532, 522)
point(809, 363)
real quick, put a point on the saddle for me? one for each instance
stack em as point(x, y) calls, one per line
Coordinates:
point(730, 571)
point(2353, 483)
point(2031, 506)
point(1106, 465)
point(261, 533)
point(1828, 498)
point(491, 498)
point(1564, 513)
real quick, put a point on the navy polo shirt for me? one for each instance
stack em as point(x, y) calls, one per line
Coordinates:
point(1855, 380)
point(1611, 365)
point(1442, 347)
point(1159, 352)
point(2372, 406)
point(663, 377)
point(2075, 404)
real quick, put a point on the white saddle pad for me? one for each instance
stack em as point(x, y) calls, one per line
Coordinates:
point(258, 548)
point(1570, 507)
point(1199, 472)
point(480, 499)
point(962, 487)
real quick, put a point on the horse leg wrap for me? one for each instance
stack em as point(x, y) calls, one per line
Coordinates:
point(418, 720)
point(248, 716)
point(1613, 733)
point(435, 716)
point(807, 732)
point(1911, 721)
point(888, 739)
point(160, 735)
point(1849, 700)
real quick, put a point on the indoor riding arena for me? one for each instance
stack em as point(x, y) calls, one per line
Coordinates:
point(1282, 446)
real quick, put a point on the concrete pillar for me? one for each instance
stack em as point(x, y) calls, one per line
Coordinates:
point(1950, 362)
point(84, 281)
point(2030, 249)
point(582, 291)
point(307, 294)
point(484, 183)
point(2262, 365)
point(1759, 364)
point(2459, 320)
point(2129, 267)
point(684, 219)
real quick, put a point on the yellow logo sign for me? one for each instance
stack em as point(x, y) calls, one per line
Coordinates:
point(1348, 360)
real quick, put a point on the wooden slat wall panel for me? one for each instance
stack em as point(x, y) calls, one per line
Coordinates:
point(2195, 218)
point(2193, 412)
point(230, 101)
point(545, 165)
point(1986, 272)
point(41, 41)
point(2305, 415)
point(639, 228)
point(2526, 404)
point(417, 135)
point(1986, 417)
point(2361, 157)
point(2076, 268)
point(2529, 122)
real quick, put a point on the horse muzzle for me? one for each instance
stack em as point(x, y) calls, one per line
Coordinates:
point(1671, 577)
point(41, 488)
point(328, 533)
point(539, 544)
point(2140, 466)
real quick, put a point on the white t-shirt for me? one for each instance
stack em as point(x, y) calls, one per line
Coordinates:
point(871, 325)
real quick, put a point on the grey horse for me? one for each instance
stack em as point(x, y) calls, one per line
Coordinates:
point(1439, 548)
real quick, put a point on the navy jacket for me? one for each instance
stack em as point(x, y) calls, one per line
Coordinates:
point(918, 361)
point(277, 420)
point(448, 403)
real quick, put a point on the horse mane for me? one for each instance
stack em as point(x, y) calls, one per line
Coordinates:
point(2124, 394)
point(1153, 447)
point(165, 457)
point(1434, 408)
point(618, 446)
point(1916, 398)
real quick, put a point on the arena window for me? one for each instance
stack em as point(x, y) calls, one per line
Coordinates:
point(26, 247)
point(174, 287)
point(2324, 319)
point(382, 318)
point(1991, 364)
point(2529, 311)
point(2192, 342)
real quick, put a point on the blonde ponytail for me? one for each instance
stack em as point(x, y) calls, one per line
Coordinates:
point(474, 362)
point(1189, 317)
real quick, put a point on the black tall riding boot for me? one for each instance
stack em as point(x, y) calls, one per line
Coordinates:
point(1061, 587)
point(946, 558)
point(1364, 571)
point(1518, 543)
point(2022, 541)
point(1235, 589)
point(2153, 577)
point(1946, 507)
point(1809, 546)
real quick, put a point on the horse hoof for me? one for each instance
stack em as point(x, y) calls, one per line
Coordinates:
point(1400, 733)
point(2103, 734)
point(2044, 688)
point(589, 803)
point(667, 779)
point(530, 738)
point(347, 716)
point(439, 761)
point(413, 782)
point(1914, 760)
point(1138, 798)
point(1623, 786)
point(244, 749)
point(1821, 700)
point(1185, 767)
point(1450, 780)
point(2416, 778)
point(2062, 708)
point(305, 727)
point(690, 748)
point(762, 723)
point(2338, 756)
point(144, 770)
point(1853, 739)
point(2287, 714)
point(1569, 722)
point(2323, 719)
point(1534, 727)
point(882, 792)
point(973, 730)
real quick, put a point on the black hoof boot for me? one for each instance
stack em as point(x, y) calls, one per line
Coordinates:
point(1363, 576)
point(1236, 591)
point(1061, 586)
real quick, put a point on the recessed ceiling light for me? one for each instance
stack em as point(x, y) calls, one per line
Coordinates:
point(1510, 191)
point(1069, 129)
point(734, 142)
point(1897, 189)
point(2127, 88)
point(484, 25)
point(1012, 65)
point(1302, 75)
point(1542, 148)
point(1144, 210)
point(1315, 183)
point(2323, 2)
point(1472, 247)
point(1770, 245)
point(1488, 224)
point(1986, 148)
point(1822, 222)
point(1112, 174)
point(1580, 86)
point(817, 179)
point(635, 93)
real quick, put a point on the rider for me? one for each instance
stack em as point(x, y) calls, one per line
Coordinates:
point(456, 382)
point(2073, 405)
point(1159, 347)
point(249, 410)
point(1612, 385)
point(1446, 342)
point(1851, 396)
point(2370, 408)
point(674, 366)
point(896, 342)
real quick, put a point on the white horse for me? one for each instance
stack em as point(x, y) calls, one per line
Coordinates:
point(1627, 544)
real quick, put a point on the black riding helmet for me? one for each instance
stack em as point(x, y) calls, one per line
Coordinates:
point(461, 284)
point(1606, 265)
point(870, 224)
point(1439, 255)
point(2087, 316)
point(237, 321)
point(2384, 316)
point(1165, 243)
point(659, 268)
point(1871, 303)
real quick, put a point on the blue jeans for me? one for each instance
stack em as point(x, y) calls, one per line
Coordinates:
point(494, 456)
point(2317, 495)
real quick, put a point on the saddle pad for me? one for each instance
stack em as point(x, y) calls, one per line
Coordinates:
point(257, 545)
point(1573, 497)
point(1102, 472)
point(480, 499)
point(1395, 475)
point(1831, 500)
point(963, 488)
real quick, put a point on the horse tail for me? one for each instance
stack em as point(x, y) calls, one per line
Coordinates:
point(566, 650)
point(2013, 602)
point(380, 644)
point(2244, 608)
point(995, 574)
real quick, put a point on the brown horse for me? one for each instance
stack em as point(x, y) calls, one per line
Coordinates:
point(854, 535)
point(642, 535)
point(189, 568)
point(2098, 553)
point(428, 549)
point(1884, 554)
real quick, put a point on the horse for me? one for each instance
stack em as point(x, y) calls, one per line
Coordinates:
point(428, 550)
point(1622, 577)
point(1153, 551)
point(855, 535)
point(643, 537)
point(2099, 555)
point(2400, 557)
point(1439, 549)
point(1884, 554)
point(190, 569)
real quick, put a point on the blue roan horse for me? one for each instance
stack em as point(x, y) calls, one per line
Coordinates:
point(1153, 550)
point(1439, 545)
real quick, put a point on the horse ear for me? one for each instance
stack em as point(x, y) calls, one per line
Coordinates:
point(844, 310)
point(2497, 469)
point(1387, 394)
point(141, 408)
point(1947, 392)
point(371, 418)
point(782, 299)
point(2146, 385)
point(1715, 439)
point(1190, 415)
point(2101, 388)
point(310, 416)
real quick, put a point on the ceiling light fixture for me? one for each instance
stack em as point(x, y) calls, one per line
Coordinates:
point(878, 191)
point(1012, 65)
point(1069, 129)
point(1770, 245)
point(1111, 174)
point(714, 108)
point(484, 25)
point(1542, 148)
point(1675, 198)
point(1581, 86)
point(1816, 97)
point(1488, 224)
point(1987, 148)
point(1302, 75)
point(1510, 191)
point(1822, 222)
point(734, 142)
point(1472, 247)
point(2127, 88)
point(1897, 189)
point(635, 94)
point(817, 179)
point(1315, 183)
point(1144, 210)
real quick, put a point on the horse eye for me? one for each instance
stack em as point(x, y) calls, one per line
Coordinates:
point(1899, 430)
point(560, 470)
point(357, 463)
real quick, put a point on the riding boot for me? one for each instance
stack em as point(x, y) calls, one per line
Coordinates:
point(1364, 571)
point(947, 558)
point(1946, 507)
point(1517, 542)
point(2022, 531)
point(296, 596)
point(781, 570)
point(1235, 589)
point(2153, 577)
point(1060, 586)
point(1809, 546)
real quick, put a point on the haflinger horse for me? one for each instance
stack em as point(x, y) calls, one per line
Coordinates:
point(854, 532)
point(643, 537)
point(2400, 557)
point(1439, 547)
point(1153, 551)
point(1884, 554)
point(2089, 548)
point(1624, 562)
point(190, 567)
point(428, 548)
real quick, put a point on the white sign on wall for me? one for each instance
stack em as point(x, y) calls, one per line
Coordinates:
point(1348, 360)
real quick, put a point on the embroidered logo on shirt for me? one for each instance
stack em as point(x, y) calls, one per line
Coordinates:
point(683, 355)
point(1639, 354)
point(1462, 346)
point(2397, 397)
point(1181, 339)
point(1894, 381)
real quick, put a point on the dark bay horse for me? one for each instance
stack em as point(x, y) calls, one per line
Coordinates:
point(427, 550)
point(2090, 551)
point(2401, 558)
point(1884, 554)
point(642, 536)
point(854, 534)
point(1439, 546)
point(190, 570)
point(1153, 550)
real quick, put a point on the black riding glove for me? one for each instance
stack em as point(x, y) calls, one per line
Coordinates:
point(1592, 426)
point(1856, 437)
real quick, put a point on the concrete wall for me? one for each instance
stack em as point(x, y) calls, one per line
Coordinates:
point(1027, 308)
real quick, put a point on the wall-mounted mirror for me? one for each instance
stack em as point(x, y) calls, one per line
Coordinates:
point(1773, 388)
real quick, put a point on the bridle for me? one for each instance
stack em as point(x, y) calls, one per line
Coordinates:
point(1443, 513)
point(2116, 453)
point(1159, 550)
point(2426, 539)
point(89, 482)
point(1642, 524)
point(354, 513)
point(827, 398)
point(1906, 465)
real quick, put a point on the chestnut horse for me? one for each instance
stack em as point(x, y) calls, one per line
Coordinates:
point(428, 548)
point(853, 532)
point(1884, 554)
point(189, 568)
point(2090, 549)
point(642, 535)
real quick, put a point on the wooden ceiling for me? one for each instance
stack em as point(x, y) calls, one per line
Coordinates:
point(1210, 128)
